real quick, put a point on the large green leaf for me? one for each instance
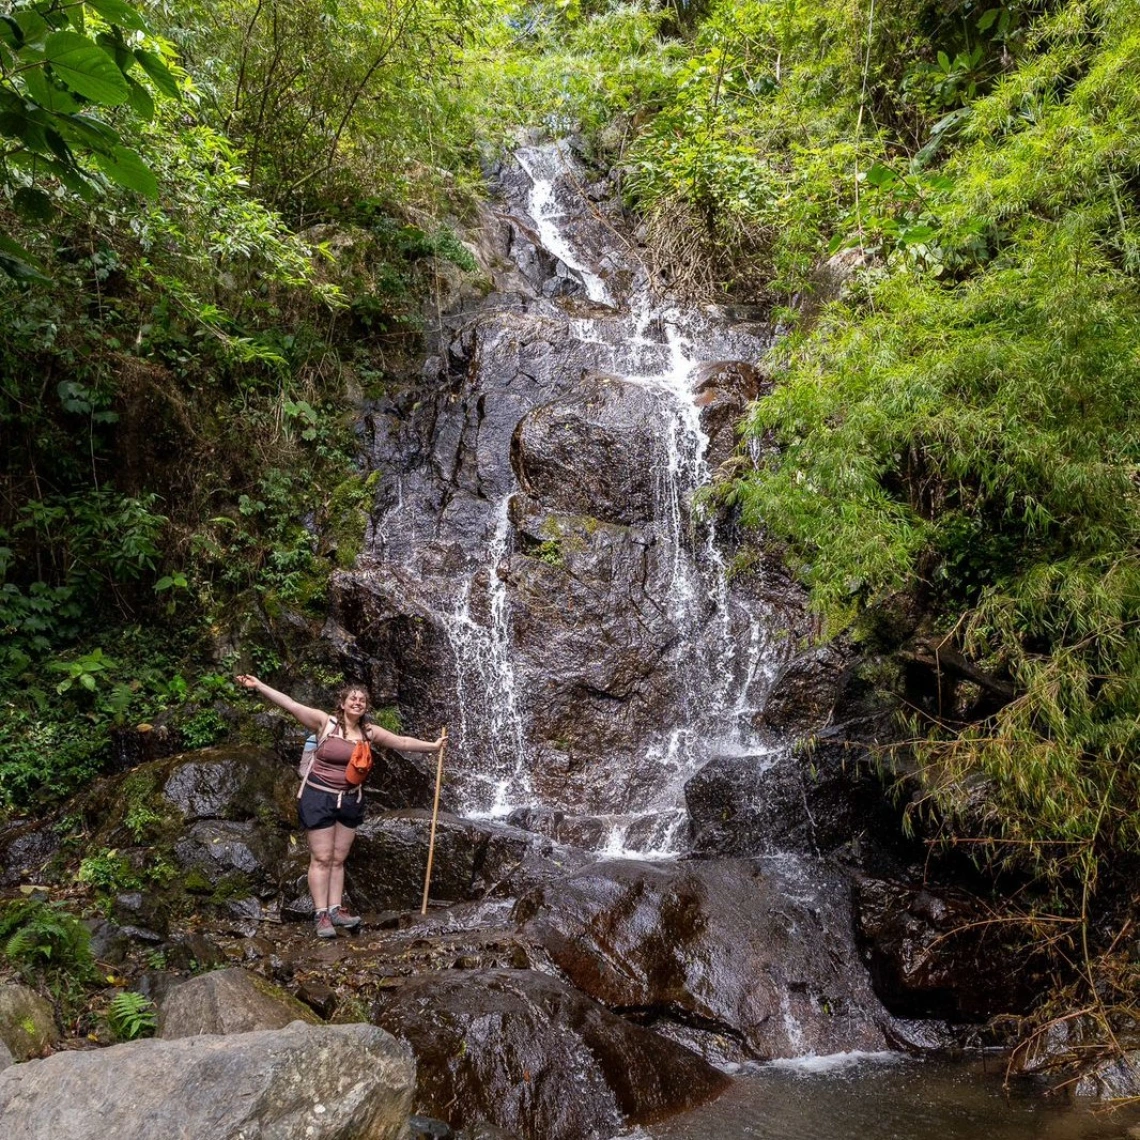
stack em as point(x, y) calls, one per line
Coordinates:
point(141, 102)
point(87, 131)
point(25, 128)
point(125, 167)
point(17, 262)
point(46, 93)
point(118, 12)
point(11, 34)
point(86, 68)
point(158, 72)
point(33, 26)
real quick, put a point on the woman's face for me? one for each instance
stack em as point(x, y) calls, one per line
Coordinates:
point(356, 703)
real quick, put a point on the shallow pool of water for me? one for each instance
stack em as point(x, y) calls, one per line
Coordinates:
point(890, 1098)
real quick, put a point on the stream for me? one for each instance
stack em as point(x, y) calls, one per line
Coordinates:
point(889, 1097)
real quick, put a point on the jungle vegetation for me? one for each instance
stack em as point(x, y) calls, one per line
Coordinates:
point(222, 219)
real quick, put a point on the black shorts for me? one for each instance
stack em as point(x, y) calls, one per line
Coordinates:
point(317, 809)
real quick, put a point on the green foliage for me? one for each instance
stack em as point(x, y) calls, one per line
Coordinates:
point(550, 553)
point(142, 818)
point(63, 66)
point(131, 1016)
point(41, 754)
point(389, 718)
point(322, 96)
point(109, 873)
point(962, 429)
point(563, 68)
point(45, 941)
point(202, 728)
point(53, 738)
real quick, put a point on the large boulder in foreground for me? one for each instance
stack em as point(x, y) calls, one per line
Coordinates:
point(336, 1082)
point(530, 1054)
point(228, 1001)
point(758, 952)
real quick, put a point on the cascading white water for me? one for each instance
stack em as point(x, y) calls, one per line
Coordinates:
point(547, 214)
point(485, 679)
point(722, 658)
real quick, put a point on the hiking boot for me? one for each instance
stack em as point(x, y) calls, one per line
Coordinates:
point(341, 917)
point(323, 925)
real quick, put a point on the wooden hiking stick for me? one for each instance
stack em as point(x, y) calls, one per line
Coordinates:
point(434, 816)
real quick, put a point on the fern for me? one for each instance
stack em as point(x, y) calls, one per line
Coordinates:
point(131, 1015)
point(43, 938)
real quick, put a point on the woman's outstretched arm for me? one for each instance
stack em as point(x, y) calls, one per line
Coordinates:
point(312, 719)
point(388, 739)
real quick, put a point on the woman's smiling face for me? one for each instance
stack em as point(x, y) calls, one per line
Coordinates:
point(355, 703)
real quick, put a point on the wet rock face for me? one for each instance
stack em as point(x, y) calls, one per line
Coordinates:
point(756, 951)
point(608, 435)
point(806, 690)
point(933, 953)
point(812, 798)
point(595, 675)
point(724, 389)
point(25, 846)
point(222, 783)
point(528, 1054)
point(222, 850)
point(533, 578)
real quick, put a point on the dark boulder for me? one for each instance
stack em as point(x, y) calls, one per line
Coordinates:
point(26, 846)
point(940, 953)
point(724, 389)
point(245, 853)
point(385, 869)
point(756, 951)
point(225, 783)
point(531, 1055)
point(814, 797)
point(608, 435)
point(596, 676)
point(806, 691)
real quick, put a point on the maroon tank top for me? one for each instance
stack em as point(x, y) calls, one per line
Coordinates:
point(330, 760)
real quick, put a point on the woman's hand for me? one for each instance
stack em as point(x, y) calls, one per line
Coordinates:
point(247, 680)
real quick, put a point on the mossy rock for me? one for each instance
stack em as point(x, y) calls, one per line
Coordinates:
point(229, 1001)
point(27, 1022)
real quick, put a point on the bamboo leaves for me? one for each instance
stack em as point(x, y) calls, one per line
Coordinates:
point(970, 442)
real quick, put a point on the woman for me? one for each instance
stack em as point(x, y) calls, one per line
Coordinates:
point(329, 807)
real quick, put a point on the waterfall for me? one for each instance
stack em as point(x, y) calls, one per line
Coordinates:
point(599, 313)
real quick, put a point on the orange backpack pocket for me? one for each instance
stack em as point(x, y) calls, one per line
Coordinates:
point(359, 763)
